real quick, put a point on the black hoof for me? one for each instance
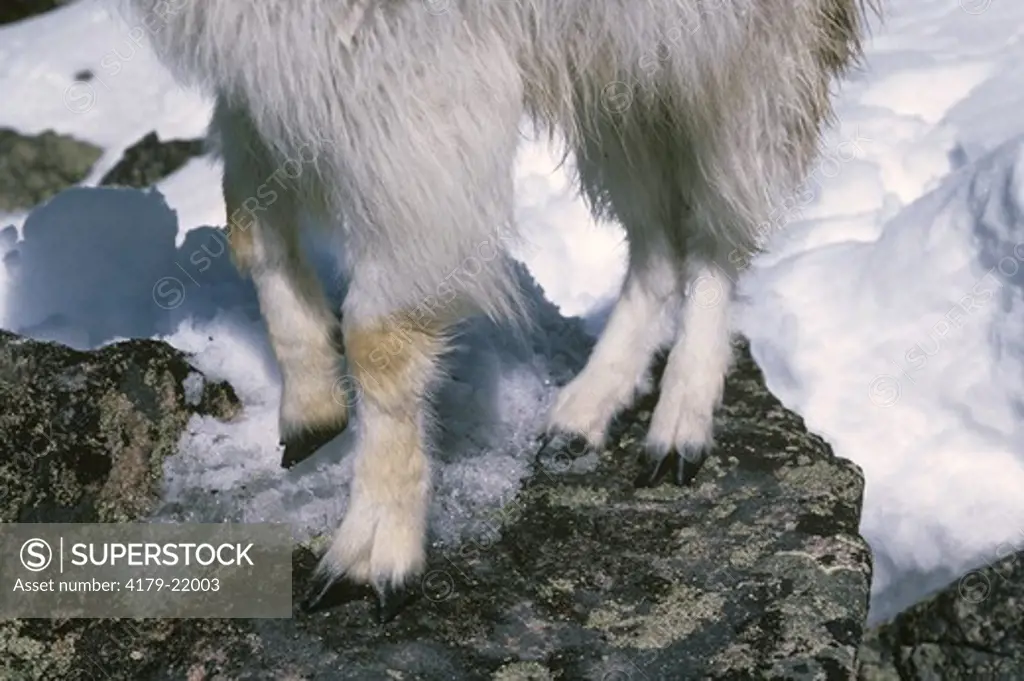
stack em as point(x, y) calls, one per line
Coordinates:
point(325, 592)
point(679, 469)
point(558, 449)
point(391, 601)
point(301, 446)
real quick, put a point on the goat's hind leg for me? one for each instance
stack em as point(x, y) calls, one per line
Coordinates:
point(264, 239)
point(635, 187)
point(642, 322)
point(676, 295)
point(680, 435)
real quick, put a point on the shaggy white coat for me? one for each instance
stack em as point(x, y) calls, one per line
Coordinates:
point(394, 124)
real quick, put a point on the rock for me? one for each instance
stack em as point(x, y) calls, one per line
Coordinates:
point(33, 168)
point(83, 435)
point(149, 160)
point(969, 630)
point(16, 10)
point(755, 572)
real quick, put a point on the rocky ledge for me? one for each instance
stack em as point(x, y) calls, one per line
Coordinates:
point(970, 630)
point(757, 571)
point(83, 435)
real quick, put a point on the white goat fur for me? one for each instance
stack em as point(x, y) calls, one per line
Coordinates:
point(690, 121)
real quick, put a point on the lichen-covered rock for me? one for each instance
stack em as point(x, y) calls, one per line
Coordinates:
point(16, 10)
point(34, 168)
point(970, 630)
point(755, 572)
point(150, 160)
point(83, 435)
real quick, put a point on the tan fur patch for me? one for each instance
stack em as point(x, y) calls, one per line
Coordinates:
point(838, 47)
point(395, 359)
point(240, 225)
point(843, 26)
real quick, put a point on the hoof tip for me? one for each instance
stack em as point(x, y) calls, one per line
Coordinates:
point(558, 444)
point(677, 468)
point(301, 446)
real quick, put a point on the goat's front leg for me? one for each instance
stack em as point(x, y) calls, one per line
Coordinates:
point(264, 240)
point(381, 541)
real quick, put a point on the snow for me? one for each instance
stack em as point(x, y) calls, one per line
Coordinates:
point(888, 310)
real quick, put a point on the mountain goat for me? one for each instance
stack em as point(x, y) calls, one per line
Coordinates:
point(394, 124)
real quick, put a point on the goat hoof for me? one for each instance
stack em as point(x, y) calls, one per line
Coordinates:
point(302, 445)
point(680, 469)
point(558, 449)
point(325, 592)
point(391, 600)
